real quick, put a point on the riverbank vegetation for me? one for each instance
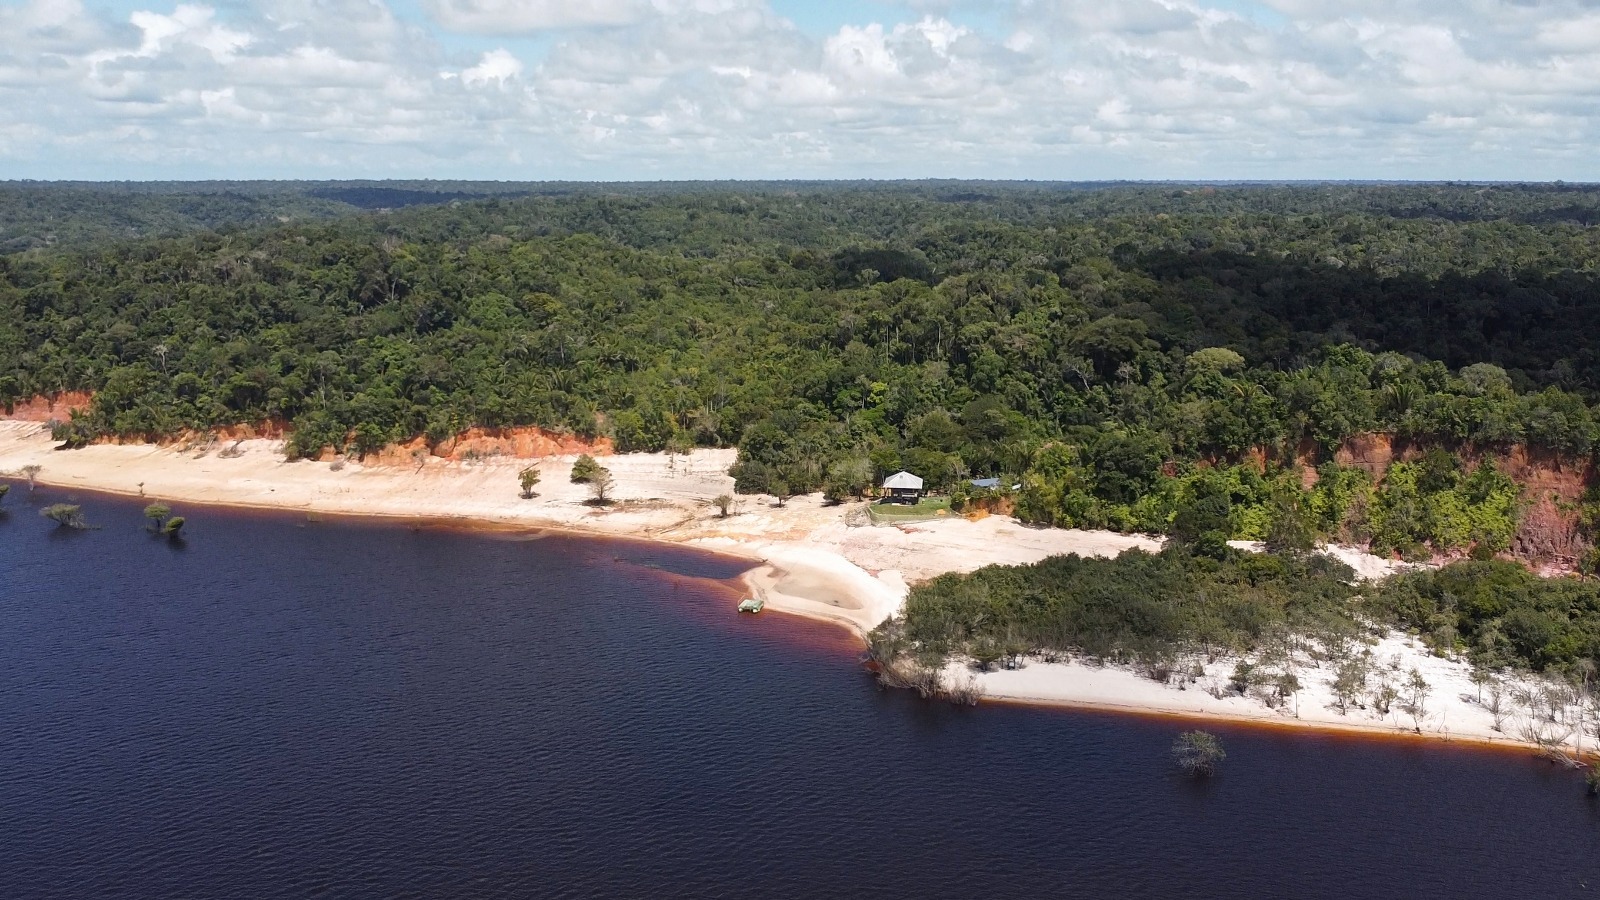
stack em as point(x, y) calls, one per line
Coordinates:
point(1140, 358)
point(1501, 614)
point(1159, 612)
point(1143, 608)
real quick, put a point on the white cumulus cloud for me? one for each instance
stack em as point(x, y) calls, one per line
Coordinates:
point(523, 16)
point(187, 24)
point(732, 88)
point(496, 66)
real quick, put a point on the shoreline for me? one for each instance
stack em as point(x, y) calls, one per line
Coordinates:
point(1282, 725)
point(860, 572)
point(809, 560)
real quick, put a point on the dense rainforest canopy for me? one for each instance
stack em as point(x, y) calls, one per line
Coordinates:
point(1090, 343)
point(1165, 358)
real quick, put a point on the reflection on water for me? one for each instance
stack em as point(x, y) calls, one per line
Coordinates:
point(356, 710)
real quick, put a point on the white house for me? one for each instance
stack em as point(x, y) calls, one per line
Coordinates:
point(903, 486)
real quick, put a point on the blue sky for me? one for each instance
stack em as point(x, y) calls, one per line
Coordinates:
point(646, 89)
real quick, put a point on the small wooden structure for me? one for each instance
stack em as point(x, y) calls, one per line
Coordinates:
point(903, 487)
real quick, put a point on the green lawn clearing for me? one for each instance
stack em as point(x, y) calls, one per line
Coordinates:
point(928, 508)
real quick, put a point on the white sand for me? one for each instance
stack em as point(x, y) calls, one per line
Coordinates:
point(1451, 709)
point(1367, 567)
point(819, 561)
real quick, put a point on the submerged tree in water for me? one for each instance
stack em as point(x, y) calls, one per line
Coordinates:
point(1198, 752)
point(4, 490)
point(66, 515)
point(158, 514)
point(163, 521)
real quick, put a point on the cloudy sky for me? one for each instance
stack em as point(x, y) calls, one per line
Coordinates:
point(653, 89)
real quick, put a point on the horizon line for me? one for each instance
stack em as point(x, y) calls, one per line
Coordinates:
point(1112, 182)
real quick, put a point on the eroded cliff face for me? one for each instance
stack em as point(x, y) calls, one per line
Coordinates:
point(1374, 453)
point(1552, 491)
point(50, 407)
point(1553, 488)
point(521, 442)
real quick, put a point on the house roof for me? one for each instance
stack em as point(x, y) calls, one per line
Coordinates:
point(986, 482)
point(903, 481)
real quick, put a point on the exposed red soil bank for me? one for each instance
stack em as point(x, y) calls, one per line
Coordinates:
point(1552, 488)
point(520, 442)
point(48, 407)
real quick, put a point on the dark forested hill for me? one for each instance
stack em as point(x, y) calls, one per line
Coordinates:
point(1156, 357)
point(37, 214)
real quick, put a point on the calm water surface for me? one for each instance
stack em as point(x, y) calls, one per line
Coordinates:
point(281, 708)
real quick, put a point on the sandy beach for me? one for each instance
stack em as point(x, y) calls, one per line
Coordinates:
point(817, 560)
point(825, 562)
point(1454, 709)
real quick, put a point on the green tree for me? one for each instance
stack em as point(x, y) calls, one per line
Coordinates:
point(1291, 529)
point(1289, 686)
point(1414, 698)
point(1349, 682)
point(1203, 522)
point(528, 478)
point(584, 469)
point(849, 477)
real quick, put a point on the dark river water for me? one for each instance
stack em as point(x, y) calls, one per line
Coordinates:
point(284, 708)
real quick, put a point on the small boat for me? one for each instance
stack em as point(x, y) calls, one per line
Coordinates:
point(751, 605)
